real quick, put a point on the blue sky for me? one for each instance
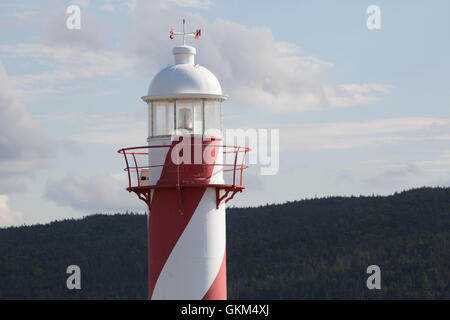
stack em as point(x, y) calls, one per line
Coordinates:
point(359, 111)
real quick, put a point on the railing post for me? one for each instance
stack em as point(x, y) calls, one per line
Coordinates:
point(234, 167)
point(242, 166)
point(137, 170)
point(128, 167)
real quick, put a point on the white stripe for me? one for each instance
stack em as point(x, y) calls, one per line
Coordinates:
point(197, 257)
point(217, 173)
point(157, 157)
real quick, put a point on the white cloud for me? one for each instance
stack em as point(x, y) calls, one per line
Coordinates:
point(82, 3)
point(201, 4)
point(130, 130)
point(11, 184)
point(361, 134)
point(19, 14)
point(8, 216)
point(347, 95)
point(63, 55)
point(66, 63)
point(131, 5)
point(23, 144)
point(24, 147)
point(50, 23)
point(440, 164)
point(397, 176)
point(99, 193)
point(118, 131)
point(254, 68)
point(107, 6)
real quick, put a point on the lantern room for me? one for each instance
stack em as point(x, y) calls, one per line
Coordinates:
point(184, 99)
point(185, 117)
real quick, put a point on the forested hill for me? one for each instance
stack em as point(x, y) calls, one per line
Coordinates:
point(309, 249)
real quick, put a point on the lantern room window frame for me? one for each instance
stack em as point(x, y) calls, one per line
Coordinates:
point(172, 102)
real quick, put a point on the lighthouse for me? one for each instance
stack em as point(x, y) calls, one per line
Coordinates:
point(186, 175)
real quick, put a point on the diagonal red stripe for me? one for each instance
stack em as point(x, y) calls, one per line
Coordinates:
point(218, 289)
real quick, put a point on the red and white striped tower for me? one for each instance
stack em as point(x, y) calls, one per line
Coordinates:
point(182, 180)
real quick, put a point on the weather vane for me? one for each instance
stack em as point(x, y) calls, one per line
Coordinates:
point(195, 34)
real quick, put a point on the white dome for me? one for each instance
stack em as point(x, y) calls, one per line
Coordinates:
point(184, 79)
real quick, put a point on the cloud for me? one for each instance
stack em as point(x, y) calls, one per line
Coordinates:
point(50, 24)
point(395, 177)
point(361, 134)
point(440, 164)
point(130, 130)
point(63, 55)
point(65, 63)
point(82, 3)
point(254, 68)
point(200, 4)
point(8, 216)
point(24, 147)
point(23, 144)
point(99, 193)
point(11, 185)
point(347, 95)
point(117, 131)
point(107, 6)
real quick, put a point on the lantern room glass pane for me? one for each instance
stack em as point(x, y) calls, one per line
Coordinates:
point(171, 122)
point(163, 118)
point(189, 117)
point(198, 118)
point(150, 120)
point(213, 114)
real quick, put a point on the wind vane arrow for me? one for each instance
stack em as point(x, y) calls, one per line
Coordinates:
point(195, 34)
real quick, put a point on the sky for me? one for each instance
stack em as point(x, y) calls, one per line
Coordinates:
point(359, 111)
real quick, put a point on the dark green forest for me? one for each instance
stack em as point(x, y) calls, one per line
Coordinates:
point(308, 249)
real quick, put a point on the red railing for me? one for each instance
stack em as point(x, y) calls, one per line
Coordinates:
point(136, 154)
